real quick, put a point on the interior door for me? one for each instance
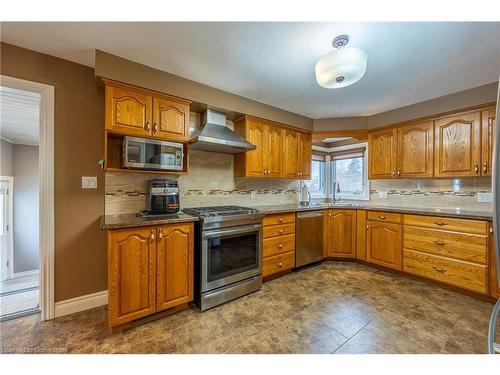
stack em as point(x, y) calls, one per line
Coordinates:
point(416, 150)
point(382, 158)
point(175, 249)
point(274, 151)
point(342, 233)
point(170, 120)
point(488, 138)
point(5, 228)
point(290, 154)
point(384, 244)
point(458, 145)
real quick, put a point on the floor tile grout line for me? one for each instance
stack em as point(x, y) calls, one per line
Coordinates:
point(350, 338)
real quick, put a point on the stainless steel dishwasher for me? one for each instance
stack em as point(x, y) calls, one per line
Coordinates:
point(309, 238)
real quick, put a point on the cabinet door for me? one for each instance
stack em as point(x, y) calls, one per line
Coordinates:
point(458, 145)
point(170, 120)
point(174, 265)
point(131, 274)
point(128, 111)
point(255, 162)
point(382, 149)
point(274, 152)
point(488, 139)
point(305, 155)
point(384, 244)
point(342, 233)
point(290, 154)
point(416, 150)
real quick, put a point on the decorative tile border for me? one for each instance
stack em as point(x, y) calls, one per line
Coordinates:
point(431, 193)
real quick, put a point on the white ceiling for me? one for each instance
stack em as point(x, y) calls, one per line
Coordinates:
point(274, 62)
point(19, 116)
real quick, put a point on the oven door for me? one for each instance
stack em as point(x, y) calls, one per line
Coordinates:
point(230, 255)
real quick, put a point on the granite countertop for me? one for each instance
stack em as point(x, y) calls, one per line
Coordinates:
point(446, 212)
point(132, 221)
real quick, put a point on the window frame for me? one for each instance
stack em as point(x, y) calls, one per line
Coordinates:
point(324, 192)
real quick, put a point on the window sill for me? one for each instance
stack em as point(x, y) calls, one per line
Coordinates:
point(353, 198)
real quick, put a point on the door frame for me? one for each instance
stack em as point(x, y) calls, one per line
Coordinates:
point(46, 188)
point(10, 251)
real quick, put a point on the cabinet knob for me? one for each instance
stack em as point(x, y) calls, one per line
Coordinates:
point(160, 234)
point(280, 220)
point(382, 217)
point(148, 126)
point(280, 231)
point(280, 264)
point(279, 246)
point(399, 173)
point(152, 236)
point(476, 168)
point(485, 167)
point(155, 127)
point(393, 172)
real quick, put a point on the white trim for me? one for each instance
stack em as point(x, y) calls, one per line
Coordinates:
point(46, 167)
point(18, 275)
point(10, 251)
point(73, 305)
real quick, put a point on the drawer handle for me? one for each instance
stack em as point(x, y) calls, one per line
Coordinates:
point(440, 243)
point(440, 270)
point(280, 264)
point(279, 246)
point(280, 220)
point(382, 217)
point(280, 231)
point(440, 223)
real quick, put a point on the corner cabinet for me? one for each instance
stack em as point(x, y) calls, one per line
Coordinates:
point(488, 128)
point(458, 145)
point(280, 152)
point(341, 233)
point(131, 110)
point(149, 270)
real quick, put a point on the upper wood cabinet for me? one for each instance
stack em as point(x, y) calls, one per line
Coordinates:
point(127, 110)
point(131, 274)
point(384, 244)
point(341, 233)
point(133, 111)
point(170, 119)
point(488, 128)
point(174, 259)
point(382, 154)
point(280, 152)
point(458, 145)
point(415, 154)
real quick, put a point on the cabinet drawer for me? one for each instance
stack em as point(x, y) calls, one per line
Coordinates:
point(468, 247)
point(278, 263)
point(389, 217)
point(454, 272)
point(278, 245)
point(278, 230)
point(445, 223)
point(284, 218)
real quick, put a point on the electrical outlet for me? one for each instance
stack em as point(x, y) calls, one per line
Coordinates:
point(484, 197)
point(382, 194)
point(89, 182)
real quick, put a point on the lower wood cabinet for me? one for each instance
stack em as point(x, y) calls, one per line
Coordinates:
point(341, 233)
point(278, 243)
point(494, 288)
point(149, 269)
point(384, 244)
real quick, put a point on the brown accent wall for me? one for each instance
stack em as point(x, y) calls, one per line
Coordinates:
point(80, 246)
point(484, 94)
point(119, 69)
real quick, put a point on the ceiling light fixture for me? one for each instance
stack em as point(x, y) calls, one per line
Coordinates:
point(341, 67)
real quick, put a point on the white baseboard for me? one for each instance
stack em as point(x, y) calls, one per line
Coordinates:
point(81, 303)
point(17, 275)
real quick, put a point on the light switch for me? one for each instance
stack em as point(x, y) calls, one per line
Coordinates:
point(89, 182)
point(484, 197)
point(382, 194)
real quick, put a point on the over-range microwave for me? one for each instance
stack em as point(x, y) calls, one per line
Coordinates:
point(142, 153)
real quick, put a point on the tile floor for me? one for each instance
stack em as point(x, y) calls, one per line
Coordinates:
point(334, 307)
point(11, 285)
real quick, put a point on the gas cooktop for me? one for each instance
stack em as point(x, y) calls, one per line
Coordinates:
point(219, 211)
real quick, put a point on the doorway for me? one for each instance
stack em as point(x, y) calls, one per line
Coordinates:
point(26, 199)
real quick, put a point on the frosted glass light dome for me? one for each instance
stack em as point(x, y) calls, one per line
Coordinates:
point(341, 67)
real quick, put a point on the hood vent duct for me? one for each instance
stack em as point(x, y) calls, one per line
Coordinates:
point(215, 136)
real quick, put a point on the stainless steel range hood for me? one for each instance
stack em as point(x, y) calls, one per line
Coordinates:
point(215, 136)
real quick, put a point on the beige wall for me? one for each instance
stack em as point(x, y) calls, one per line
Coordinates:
point(119, 69)
point(80, 246)
point(476, 96)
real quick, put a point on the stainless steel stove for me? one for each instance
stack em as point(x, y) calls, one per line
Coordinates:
point(228, 253)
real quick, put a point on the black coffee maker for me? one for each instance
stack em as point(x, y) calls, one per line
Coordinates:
point(162, 197)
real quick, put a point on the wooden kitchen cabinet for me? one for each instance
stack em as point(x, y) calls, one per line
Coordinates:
point(278, 243)
point(131, 274)
point(384, 244)
point(341, 233)
point(128, 111)
point(134, 111)
point(305, 156)
point(494, 288)
point(149, 270)
point(382, 154)
point(415, 155)
point(458, 145)
point(488, 129)
point(290, 154)
point(170, 119)
point(174, 260)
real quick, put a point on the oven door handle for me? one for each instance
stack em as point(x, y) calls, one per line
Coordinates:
point(239, 230)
